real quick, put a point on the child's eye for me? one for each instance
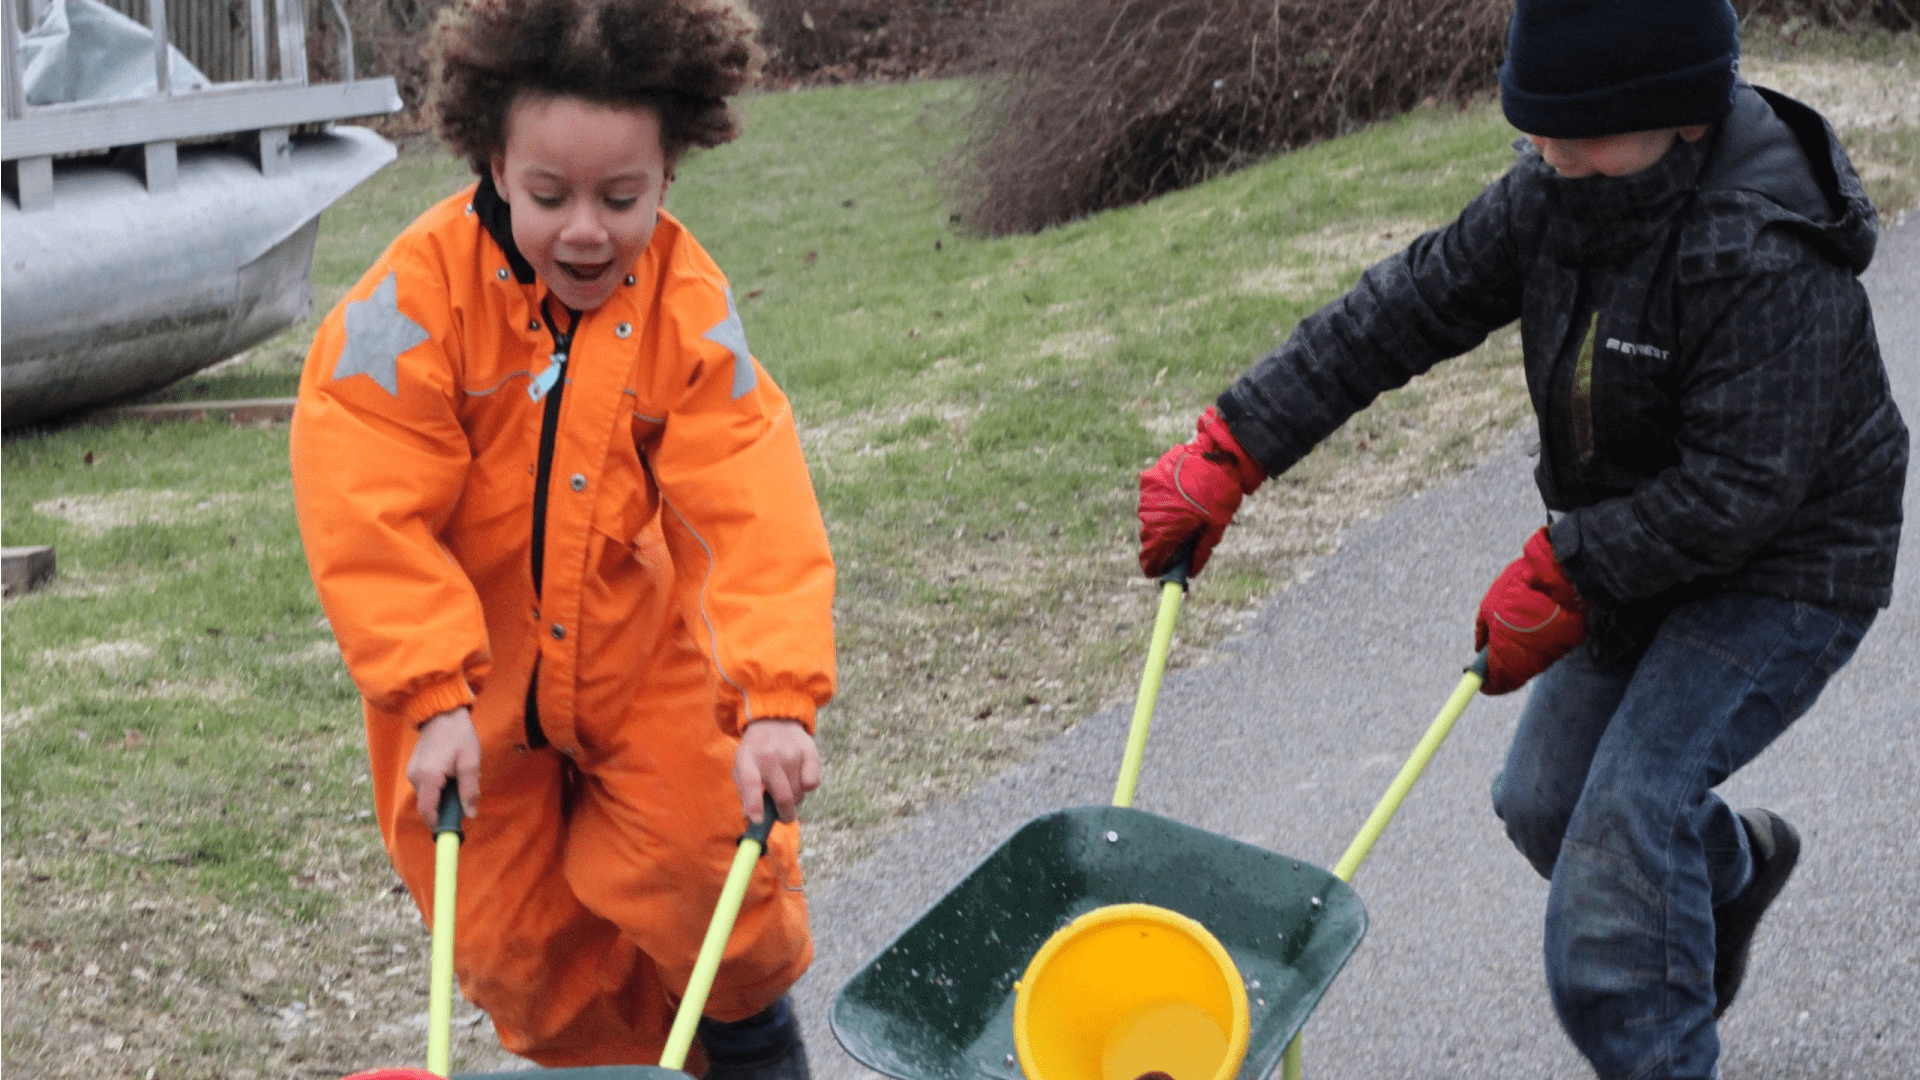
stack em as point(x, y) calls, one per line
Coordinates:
point(548, 202)
point(623, 204)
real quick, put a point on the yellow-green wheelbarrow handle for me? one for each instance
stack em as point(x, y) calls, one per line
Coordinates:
point(446, 875)
point(1389, 804)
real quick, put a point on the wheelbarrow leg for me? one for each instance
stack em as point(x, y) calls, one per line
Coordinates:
point(1389, 803)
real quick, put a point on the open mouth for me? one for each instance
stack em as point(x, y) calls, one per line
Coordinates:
point(584, 272)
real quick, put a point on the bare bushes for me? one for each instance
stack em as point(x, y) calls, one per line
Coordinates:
point(389, 38)
point(807, 42)
point(1103, 103)
point(827, 41)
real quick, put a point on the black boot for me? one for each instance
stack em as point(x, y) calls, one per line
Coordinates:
point(765, 1046)
point(1776, 848)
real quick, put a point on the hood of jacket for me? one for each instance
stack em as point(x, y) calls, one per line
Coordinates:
point(1777, 163)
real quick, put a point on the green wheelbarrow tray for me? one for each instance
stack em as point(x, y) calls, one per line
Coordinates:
point(937, 1003)
point(590, 1072)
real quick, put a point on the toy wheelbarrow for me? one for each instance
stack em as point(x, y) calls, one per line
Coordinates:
point(939, 1002)
point(446, 878)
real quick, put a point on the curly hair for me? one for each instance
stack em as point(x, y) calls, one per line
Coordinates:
point(682, 58)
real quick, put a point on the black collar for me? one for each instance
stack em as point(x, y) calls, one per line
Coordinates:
point(496, 216)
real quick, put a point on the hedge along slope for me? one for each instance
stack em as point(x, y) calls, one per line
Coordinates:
point(829, 41)
point(1104, 103)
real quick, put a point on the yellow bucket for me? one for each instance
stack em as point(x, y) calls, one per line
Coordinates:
point(1126, 991)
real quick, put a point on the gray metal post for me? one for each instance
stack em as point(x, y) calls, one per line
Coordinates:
point(346, 40)
point(33, 183)
point(160, 166)
point(257, 31)
point(16, 98)
point(274, 149)
point(162, 55)
point(32, 176)
point(291, 18)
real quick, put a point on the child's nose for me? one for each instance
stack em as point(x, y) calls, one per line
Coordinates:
point(1563, 154)
point(583, 225)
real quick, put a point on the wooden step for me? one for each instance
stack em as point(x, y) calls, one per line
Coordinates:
point(26, 568)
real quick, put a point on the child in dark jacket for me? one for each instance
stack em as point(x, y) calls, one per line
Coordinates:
point(1721, 460)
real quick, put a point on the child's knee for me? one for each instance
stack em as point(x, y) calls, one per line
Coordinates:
point(1535, 825)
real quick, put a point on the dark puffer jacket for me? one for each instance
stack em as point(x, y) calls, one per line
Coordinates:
point(1713, 409)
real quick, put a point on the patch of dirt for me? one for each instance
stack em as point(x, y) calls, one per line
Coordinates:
point(1291, 282)
point(1853, 94)
point(1365, 242)
point(134, 506)
point(163, 984)
point(104, 654)
point(1077, 345)
point(1329, 253)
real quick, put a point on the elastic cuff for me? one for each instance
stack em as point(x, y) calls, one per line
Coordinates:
point(1261, 448)
point(785, 705)
point(435, 698)
point(1246, 471)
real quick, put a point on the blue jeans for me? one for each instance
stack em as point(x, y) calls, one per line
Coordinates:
point(1608, 791)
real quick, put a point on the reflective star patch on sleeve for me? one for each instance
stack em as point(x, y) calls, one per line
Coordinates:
point(377, 333)
point(731, 335)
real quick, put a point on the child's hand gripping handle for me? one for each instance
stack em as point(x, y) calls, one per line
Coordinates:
point(753, 844)
point(1177, 571)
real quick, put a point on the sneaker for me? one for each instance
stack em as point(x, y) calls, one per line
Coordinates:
point(1776, 848)
point(765, 1046)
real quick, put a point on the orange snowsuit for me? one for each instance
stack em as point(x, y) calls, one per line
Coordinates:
point(686, 591)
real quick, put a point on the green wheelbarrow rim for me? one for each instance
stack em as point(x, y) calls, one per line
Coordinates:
point(937, 1002)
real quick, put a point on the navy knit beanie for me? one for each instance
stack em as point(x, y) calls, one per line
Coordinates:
point(1576, 69)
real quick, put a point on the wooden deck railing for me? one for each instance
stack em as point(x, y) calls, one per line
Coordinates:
point(260, 110)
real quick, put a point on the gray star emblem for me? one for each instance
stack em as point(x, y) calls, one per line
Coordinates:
point(730, 334)
point(377, 333)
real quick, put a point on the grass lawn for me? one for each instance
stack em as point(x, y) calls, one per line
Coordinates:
point(193, 884)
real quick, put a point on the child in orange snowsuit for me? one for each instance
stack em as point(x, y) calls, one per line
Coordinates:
point(560, 522)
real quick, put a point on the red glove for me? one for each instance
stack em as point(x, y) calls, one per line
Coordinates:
point(1192, 491)
point(1531, 616)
